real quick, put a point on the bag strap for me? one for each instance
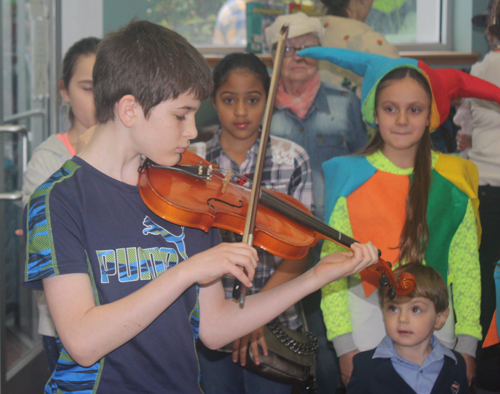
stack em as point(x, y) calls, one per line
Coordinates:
point(311, 384)
point(302, 315)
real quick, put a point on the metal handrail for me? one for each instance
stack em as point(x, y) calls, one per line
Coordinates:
point(26, 114)
point(10, 196)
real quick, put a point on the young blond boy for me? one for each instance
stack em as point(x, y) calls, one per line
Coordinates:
point(129, 292)
point(410, 359)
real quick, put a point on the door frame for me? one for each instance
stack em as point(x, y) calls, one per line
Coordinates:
point(29, 373)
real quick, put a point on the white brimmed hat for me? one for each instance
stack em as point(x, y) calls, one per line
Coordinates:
point(298, 25)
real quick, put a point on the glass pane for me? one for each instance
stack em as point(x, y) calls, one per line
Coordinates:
point(20, 316)
point(193, 19)
point(206, 23)
point(25, 67)
point(407, 21)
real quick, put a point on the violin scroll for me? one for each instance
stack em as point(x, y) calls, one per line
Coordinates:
point(404, 285)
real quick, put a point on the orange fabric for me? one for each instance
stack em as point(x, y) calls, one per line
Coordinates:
point(379, 217)
point(65, 140)
point(492, 336)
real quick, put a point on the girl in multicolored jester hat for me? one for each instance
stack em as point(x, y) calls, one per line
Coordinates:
point(414, 204)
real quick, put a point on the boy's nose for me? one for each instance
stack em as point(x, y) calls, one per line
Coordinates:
point(403, 317)
point(191, 132)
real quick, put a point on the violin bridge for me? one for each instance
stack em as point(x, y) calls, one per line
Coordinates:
point(226, 180)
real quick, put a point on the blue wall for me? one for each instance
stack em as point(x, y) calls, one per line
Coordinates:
point(479, 42)
point(115, 17)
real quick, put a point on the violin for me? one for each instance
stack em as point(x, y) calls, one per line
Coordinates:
point(283, 225)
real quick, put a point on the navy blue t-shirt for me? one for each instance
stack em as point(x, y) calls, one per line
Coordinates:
point(82, 221)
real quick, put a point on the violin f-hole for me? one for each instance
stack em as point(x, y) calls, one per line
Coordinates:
point(241, 203)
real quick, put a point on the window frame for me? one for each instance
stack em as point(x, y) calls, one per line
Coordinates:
point(446, 32)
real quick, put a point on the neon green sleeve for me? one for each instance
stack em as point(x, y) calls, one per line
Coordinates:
point(465, 277)
point(334, 299)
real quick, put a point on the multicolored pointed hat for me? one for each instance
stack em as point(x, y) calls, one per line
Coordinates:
point(446, 84)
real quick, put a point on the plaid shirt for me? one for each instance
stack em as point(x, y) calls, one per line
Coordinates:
point(231, 26)
point(286, 170)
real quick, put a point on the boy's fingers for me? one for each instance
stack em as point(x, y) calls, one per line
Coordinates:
point(239, 274)
point(247, 250)
point(372, 250)
point(368, 252)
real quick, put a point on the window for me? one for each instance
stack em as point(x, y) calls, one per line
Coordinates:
point(193, 19)
point(408, 24)
point(412, 24)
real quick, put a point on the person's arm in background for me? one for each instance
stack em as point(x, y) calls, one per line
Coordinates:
point(465, 278)
point(41, 165)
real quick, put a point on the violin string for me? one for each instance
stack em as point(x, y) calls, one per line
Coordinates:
point(239, 178)
point(304, 218)
point(293, 212)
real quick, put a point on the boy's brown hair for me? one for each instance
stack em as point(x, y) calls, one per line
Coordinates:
point(149, 62)
point(430, 285)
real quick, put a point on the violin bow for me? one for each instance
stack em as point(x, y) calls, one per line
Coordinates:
point(239, 290)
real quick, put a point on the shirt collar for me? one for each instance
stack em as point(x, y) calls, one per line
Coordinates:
point(382, 163)
point(386, 349)
point(251, 155)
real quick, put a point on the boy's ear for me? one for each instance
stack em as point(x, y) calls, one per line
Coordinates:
point(441, 318)
point(128, 110)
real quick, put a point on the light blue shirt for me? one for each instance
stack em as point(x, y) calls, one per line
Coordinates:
point(420, 378)
point(332, 127)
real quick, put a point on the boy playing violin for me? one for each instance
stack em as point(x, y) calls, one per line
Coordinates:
point(128, 291)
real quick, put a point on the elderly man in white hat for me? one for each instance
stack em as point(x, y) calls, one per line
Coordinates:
point(326, 121)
